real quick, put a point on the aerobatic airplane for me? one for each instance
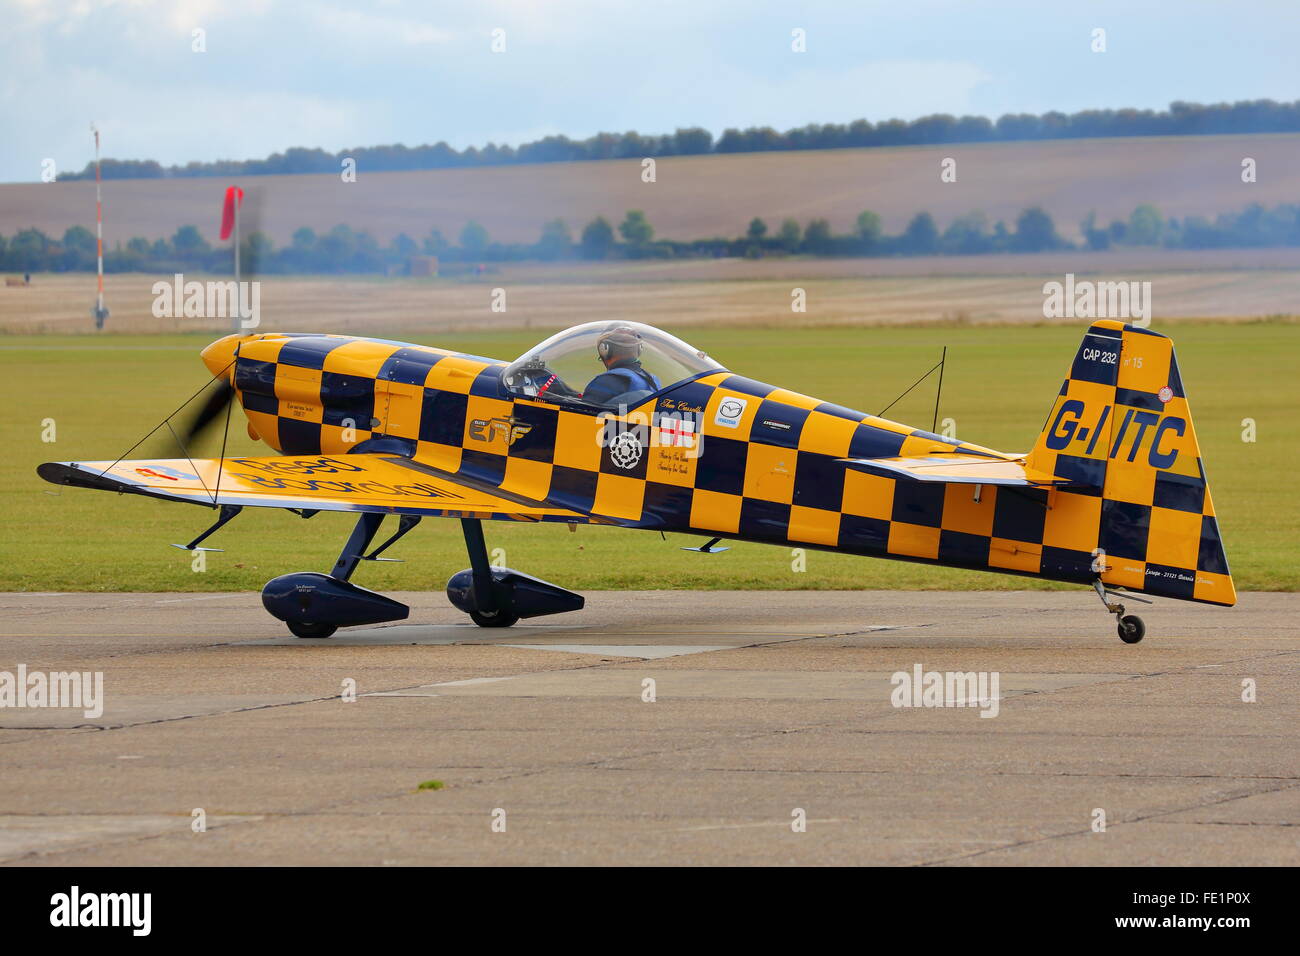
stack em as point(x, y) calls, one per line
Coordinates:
point(623, 424)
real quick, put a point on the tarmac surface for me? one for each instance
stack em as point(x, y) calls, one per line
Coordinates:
point(657, 728)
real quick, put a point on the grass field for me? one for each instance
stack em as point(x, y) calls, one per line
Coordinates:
point(694, 197)
point(104, 393)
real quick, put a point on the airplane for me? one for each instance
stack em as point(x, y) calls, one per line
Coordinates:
point(1112, 495)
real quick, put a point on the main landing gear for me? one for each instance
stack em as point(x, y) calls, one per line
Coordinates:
point(316, 605)
point(499, 597)
point(1130, 626)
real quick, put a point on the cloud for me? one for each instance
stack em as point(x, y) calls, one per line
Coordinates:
point(342, 73)
point(378, 33)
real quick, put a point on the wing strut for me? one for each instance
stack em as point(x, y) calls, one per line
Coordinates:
point(227, 512)
point(404, 524)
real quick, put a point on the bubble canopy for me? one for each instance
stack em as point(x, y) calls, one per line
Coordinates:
point(568, 364)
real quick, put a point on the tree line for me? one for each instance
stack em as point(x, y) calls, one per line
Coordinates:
point(346, 250)
point(1181, 119)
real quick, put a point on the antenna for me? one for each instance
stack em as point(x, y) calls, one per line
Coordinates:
point(99, 312)
point(943, 359)
point(908, 389)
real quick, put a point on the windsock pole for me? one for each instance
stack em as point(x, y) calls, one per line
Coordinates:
point(100, 312)
point(229, 229)
point(237, 322)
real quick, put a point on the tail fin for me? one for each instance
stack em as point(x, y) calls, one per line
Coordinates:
point(1121, 432)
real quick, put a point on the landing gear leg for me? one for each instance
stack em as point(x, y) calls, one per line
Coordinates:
point(355, 550)
point(316, 605)
point(362, 534)
point(490, 610)
point(1130, 626)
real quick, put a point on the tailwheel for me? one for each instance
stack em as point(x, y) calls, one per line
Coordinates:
point(493, 618)
point(1131, 629)
point(311, 630)
point(1130, 626)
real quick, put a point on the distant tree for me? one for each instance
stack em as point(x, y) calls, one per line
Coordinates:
point(817, 237)
point(337, 249)
point(369, 257)
point(1172, 234)
point(921, 237)
point(1035, 231)
point(1145, 225)
point(967, 235)
point(597, 238)
point(692, 141)
point(403, 246)
point(79, 238)
point(790, 235)
point(757, 229)
point(1097, 239)
point(79, 248)
point(869, 228)
point(1200, 233)
point(189, 243)
point(473, 239)
point(28, 250)
point(556, 242)
point(436, 244)
point(256, 252)
point(303, 253)
point(635, 229)
point(133, 257)
point(1181, 119)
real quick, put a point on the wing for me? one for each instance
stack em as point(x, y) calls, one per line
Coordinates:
point(386, 484)
point(958, 469)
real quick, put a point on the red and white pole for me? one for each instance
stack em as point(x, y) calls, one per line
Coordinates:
point(100, 312)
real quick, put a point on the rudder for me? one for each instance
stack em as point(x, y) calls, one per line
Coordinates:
point(1121, 430)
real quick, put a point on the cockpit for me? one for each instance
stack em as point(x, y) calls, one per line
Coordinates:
point(606, 365)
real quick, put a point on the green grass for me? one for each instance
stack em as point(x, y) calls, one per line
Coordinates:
point(104, 394)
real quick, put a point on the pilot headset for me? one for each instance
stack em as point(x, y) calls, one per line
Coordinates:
point(606, 345)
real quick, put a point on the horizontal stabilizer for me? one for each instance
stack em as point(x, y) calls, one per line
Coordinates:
point(958, 469)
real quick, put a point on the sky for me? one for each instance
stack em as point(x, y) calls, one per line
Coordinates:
point(335, 75)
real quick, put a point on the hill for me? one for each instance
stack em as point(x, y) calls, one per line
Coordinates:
point(700, 196)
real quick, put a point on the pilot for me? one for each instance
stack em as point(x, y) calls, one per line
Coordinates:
point(619, 350)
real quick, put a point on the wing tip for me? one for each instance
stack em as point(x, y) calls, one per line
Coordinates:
point(70, 473)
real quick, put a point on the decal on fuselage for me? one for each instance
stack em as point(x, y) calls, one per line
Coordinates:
point(1130, 431)
point(490, 429)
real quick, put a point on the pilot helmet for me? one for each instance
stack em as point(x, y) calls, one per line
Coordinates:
point(618, 342)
